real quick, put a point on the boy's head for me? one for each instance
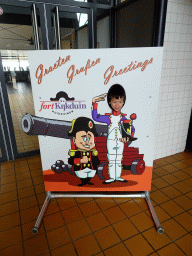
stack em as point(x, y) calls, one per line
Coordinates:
point(83, 132)
point(116, 97)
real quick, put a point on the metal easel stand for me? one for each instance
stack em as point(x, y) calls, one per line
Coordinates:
point(50, 195)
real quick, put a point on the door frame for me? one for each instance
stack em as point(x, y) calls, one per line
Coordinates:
point(8, 144)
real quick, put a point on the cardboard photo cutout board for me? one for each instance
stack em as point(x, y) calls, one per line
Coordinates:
point(95, 114)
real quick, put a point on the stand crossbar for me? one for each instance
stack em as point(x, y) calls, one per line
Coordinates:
point(145, 195)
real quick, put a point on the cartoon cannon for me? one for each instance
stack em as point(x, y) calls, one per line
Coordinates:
point(132, 160)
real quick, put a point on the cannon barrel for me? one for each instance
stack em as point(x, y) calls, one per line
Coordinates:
point(34, 125)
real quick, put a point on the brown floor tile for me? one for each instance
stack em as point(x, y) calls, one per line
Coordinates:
point(189, 195)
point(89, 208)
point(118, 249)
point(81, 200)
point(97, 221)
point(23, 175)
point(180, 156)
point(160, 172)
point(142, 221)
point(188, 182)
point(171, 179)
point(121, 200)
point(172, 208)
point(185, 244)
point(184, 202)
point(153, 188)
point(9, 208)
point(173, 229)
point(130, 208)
point(58, 237)
point(179, 165)
point(187, 161)
point(8, 187)
point(64, 250)
point(16, 250)
point(105, 203)
point(185, 220)
point(160, 183)
point(33, 159)
point(36, 173)
point(87, 246)
point(137, 245)
point(156, 240)
point(7, 172)
point(36, 165)
point(30, 214)
point(188, 170)
point(24, 168)
point(154, 176)
point(20, 162)
point(24, 183)
point(52, 208)
point(171, 249)
point(7, 165)
point(36, 245)
point(141, 202)
point(27, 230)
point(38, 180)
point(170, 168)
point(46, 254)
point(171, 192)
point(160, 162)
point(53, 221)
point(125, 229)
point(40, 188)
point(114, 214)
point(159, 197)
point(7, 179)
point(8, 197)
point(26, 192)
point(10, 236)
point(28, 202)
point(78, 229)
point(107, 237)
point(182, 187)
point(41, 198)
point(9, 221)
point(170, 159)
point(72, 214)
point(65, 203)
point(181, 175)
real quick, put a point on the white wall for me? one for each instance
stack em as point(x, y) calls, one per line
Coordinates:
point(175, 99)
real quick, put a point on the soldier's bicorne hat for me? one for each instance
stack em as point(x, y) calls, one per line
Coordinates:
point(82, 124)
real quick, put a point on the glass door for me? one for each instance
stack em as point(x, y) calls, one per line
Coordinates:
point(72, 27)
point(20, 31)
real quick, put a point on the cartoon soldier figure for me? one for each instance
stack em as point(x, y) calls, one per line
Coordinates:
point(83, 158)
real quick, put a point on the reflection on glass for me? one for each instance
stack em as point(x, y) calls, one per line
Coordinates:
point(73, 30)
point(103, 32)
point(16, 38)
point(105, 1)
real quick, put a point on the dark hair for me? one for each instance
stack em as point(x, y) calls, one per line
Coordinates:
point(116, 91)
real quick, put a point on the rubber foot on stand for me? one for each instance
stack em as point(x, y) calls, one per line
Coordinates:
point(160, 230)
point(35, 230)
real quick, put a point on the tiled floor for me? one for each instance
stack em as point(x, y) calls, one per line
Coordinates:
point(21, 102)
point(96, 226)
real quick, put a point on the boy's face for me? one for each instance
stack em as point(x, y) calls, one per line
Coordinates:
point(84, 140)
point(117, 104)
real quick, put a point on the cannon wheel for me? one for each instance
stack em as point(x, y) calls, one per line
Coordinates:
point(69, 169)
point(138, 167)
point(102, 171)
